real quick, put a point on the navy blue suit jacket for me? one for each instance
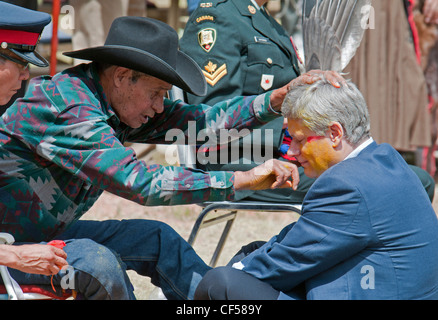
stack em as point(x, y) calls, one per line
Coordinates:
point(367, 231)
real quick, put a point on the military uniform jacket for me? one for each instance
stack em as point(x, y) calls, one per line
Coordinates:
point(241, 50)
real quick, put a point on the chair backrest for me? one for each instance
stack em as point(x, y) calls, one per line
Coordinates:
point(13, 290)
point(187, 156)
point(186, 153)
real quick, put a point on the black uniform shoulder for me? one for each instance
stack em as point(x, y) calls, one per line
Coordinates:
point(212, 6)
point(210, 11)
point(211, 3)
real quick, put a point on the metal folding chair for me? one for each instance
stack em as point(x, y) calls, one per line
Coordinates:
point(221, 211)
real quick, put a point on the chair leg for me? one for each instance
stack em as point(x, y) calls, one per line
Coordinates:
point(228, 217)
point(13, 289)
point(203, 222)
point(221, 242)
point(7, 281)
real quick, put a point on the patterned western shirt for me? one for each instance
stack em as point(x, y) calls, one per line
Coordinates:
point(62, 145)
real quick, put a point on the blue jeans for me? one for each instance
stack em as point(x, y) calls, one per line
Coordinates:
point(100, 252)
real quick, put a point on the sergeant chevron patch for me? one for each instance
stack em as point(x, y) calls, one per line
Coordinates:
point(213, 74)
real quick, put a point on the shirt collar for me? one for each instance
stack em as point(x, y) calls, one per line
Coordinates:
point(93, 74)
point(356, 151)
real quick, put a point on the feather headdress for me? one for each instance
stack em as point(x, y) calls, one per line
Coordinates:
point(332, 32)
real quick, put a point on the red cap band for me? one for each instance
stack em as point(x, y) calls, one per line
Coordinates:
point(19, 37)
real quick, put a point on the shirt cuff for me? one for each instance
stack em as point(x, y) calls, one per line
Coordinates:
point(221, 186)
point(272, 110)
point(262, 108)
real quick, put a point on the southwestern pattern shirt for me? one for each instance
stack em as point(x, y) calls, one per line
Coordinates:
point(62, 145)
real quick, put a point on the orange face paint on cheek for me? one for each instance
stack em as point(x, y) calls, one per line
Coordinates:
point(314, 152)
point(319, 155)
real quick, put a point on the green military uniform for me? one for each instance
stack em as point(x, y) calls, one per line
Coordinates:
point(242, 50)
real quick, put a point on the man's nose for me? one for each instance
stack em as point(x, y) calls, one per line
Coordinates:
point(293, 150)
point(159, 105)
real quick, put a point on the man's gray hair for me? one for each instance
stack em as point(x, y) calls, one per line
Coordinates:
point(320, 104)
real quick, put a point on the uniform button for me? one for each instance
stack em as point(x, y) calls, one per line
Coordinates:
point(269, 60)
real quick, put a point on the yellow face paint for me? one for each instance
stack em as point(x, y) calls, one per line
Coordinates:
point(315, 153)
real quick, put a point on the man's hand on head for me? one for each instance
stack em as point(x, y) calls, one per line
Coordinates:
point(310, 77)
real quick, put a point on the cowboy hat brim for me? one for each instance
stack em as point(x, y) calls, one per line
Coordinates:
point(186, 75)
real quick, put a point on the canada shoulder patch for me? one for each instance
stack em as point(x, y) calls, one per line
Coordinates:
point(205, 18)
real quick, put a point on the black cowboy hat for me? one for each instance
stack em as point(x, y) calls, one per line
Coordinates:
point(149, 46)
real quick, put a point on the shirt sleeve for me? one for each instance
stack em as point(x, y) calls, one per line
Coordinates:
point(193, 124)
point(332, 228)
point(87, 147)
point(81, 142)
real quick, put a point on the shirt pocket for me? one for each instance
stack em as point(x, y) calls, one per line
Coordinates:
point(263, 59)
point(265, 53)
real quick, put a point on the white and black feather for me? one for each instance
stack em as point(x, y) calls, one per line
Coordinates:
point(332, 33)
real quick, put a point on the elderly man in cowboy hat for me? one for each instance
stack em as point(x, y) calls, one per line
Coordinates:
point(62, 145)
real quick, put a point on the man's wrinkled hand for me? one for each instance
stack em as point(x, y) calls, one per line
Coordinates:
point(272, 174)
point(310, 77)
point(430, 10)
point(37, 258)
point(315, 75)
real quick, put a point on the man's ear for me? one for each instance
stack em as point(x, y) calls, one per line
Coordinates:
point(336, 132)
point(121, 74)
